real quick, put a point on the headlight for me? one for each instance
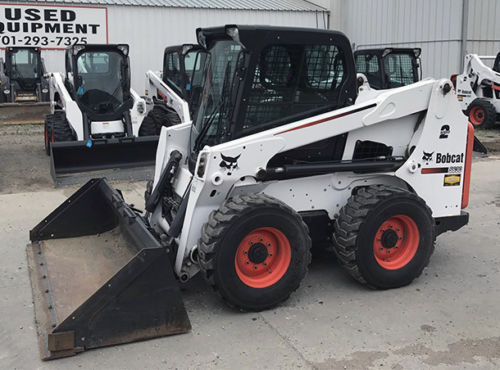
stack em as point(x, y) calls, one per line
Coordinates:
point(202, 163)
point(45, 91)
point(6, 91)
point(141, 108)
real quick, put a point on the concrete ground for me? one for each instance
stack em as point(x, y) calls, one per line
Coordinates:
point(448, 318)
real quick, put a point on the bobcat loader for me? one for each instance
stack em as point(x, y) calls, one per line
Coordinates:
point(478, 91)
point(286, 150)
point(174, 93)
point(96, 119)
point(24, 91)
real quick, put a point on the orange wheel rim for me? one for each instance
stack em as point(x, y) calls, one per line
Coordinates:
point(262, 257)
point(476, 115)
point(396, 242)
point(46, 137)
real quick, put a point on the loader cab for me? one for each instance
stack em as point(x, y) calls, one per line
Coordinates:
point(389, 67)
point(260, 77)
point(98, 77)
point(182, 72)
point(23, 77)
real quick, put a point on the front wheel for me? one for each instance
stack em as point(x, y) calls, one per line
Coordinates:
point(384, 236)
point(254, 251)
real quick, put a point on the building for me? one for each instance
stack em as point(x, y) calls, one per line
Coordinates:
point(148, 26)
point(446, 30)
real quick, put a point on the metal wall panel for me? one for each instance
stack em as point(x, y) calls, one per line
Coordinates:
point(148, 30)
point(433, 25)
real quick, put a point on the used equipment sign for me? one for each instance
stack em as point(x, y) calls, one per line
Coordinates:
point(52, 27)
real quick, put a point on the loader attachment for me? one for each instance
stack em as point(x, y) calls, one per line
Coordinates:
point(20, 113)
point(70, 157)
point(99, 277)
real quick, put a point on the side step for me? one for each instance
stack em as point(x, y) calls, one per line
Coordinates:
point(99, 277)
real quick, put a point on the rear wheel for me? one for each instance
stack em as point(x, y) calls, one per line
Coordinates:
point(384, 236)
point(159, 116)
point(482, 113)
point(254, 251)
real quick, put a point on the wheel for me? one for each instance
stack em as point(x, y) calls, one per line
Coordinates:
point(482, 113)
point(48, 137)
point(254, 250)
point(384, 236)
point(61, 131)
point(159, 116)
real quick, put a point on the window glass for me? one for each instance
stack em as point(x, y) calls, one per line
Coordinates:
point(368, 65)
point(193, 71)
point(173, 72)
point(93, 62)
point(399, 69)
point(25, 64)
point(291, 80)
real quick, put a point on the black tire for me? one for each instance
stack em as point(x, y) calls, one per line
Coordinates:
point(159, 116)
point(481, 113)
point(358, 235)
point(230, 227)
point(49, 121)
point(61, 129)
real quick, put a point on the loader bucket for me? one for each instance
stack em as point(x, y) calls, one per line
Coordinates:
point(70, 157)
point(99, 277)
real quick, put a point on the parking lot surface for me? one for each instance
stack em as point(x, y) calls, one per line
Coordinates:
point(448, 318)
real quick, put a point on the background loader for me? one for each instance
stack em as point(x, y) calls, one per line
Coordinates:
point(387, 68)
point(478, 91)
point(285, 151)
point(174, 93)
point(24, 90)
point(97, 119)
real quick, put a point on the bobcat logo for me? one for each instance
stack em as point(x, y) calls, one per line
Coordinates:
point(427, 156)
point(229, 163)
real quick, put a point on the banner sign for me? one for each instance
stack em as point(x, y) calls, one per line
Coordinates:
point(52, 26)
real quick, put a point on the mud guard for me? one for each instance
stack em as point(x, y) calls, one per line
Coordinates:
point(70, 157)
point(99, 277)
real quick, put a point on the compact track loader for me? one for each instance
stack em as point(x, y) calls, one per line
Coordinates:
point(174, 93)
point(286, 150)
point(387, 68)
point(97, 119)
point(478, 91)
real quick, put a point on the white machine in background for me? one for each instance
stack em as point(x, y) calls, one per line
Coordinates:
point(97, 120)
point(478, 90)
point(174, 93)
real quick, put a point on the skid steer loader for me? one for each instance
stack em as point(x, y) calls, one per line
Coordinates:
point(387, 68)
point(24, 92)
point(173, 94)
point(478, 91)
point(285, 151)
point(97, 119)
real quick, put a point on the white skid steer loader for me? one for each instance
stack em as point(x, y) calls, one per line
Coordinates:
point(285, 151)
point(97, 119)
point(173, 94)
point(478, 91)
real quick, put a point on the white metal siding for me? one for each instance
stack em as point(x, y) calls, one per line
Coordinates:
point(433, 25)
point(148, 30)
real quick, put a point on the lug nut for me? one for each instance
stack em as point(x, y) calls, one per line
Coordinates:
point(255, 267)
point(247, 262)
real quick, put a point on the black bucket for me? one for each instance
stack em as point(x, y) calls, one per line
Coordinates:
point(99, 277)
